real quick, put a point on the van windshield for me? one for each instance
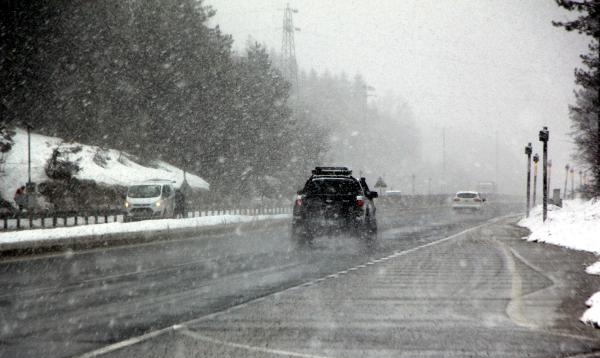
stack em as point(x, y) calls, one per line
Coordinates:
point(144, 191)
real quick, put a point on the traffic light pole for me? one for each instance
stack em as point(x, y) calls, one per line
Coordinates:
point(544, 137)
point(536, 159)
point(528, 152)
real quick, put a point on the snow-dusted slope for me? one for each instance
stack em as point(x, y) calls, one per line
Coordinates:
point(103, 166)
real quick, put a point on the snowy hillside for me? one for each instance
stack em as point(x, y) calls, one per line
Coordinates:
point(109, 167)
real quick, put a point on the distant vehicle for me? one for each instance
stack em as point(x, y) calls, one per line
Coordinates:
point(332, 200)
point(150, 199)
point(393, 193)
point(467, 200)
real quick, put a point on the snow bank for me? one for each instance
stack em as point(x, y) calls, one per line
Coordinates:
point(575, 226)
point(592, 315)
point(106, 166)
point(130, 227)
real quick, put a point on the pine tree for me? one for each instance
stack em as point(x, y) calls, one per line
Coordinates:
point(585, 114)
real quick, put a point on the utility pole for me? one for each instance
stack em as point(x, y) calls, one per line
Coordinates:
point(566, 181)
point(289, 66)
point(544, 137)
point(536, 159)
point(528, 153)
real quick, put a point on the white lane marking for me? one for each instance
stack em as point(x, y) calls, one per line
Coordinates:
point(135, 340)
point(247, 347)
point(125, 343)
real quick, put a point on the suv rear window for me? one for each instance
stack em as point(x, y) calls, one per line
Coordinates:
point(332, 186)
point(466, 195)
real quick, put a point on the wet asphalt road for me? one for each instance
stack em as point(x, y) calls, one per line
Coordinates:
point(463, 297)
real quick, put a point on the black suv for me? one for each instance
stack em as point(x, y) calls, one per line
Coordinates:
point(332, 201)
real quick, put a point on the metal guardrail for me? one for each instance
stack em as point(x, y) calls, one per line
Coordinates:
point(50, 219)
point(39, 220)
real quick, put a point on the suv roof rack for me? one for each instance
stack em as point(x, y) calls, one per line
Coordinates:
point(331, 171)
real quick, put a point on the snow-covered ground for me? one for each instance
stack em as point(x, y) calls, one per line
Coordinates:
point(131, 227)
point(576, 226)
point(106, 166)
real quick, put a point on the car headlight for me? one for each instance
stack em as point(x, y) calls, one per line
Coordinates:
point(157, 204)
point(127, 204)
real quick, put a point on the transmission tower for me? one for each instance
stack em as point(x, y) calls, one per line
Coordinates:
point(289, 66)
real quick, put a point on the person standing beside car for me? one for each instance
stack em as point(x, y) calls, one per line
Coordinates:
point(20, 198)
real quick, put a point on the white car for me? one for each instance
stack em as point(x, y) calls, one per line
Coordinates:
point(467, 200)
point(150, 199)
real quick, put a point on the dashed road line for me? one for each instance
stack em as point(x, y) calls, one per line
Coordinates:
point(247, 347)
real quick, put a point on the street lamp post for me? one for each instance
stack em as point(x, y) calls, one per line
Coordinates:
point(544, 137)
point(528, 153)
point(29, 128)
point(536, 159)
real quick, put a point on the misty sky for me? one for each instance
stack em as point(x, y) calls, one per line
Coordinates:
point(473, 67)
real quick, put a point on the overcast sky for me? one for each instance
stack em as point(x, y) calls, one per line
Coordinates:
point(473, 67)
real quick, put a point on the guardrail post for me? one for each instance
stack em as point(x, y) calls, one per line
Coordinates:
point(53, 219)
point(76, 219)
point(95, 216)
point(86, 218)
point(65, 220)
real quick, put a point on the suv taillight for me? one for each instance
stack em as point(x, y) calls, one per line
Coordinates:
point(456, 199)
point(298, 201)
point(477, 200)
point(360, 201)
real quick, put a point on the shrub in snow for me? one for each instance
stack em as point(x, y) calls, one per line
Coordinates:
point(59, 167)
point(6, 141)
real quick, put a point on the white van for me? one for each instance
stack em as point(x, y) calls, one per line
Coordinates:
point(150, 199)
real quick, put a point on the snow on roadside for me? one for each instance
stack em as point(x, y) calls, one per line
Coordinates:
point(593, 269)
point(575, 226)
point(592, 315)
point(130, 227)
